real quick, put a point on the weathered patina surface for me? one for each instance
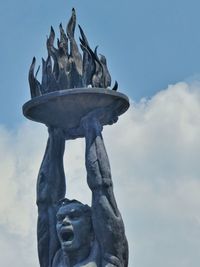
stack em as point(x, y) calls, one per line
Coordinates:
point(69, 232)
point(65, 66)
point(74, 100)
point(64, 109)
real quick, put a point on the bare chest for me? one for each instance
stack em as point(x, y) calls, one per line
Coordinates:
point(59, 261)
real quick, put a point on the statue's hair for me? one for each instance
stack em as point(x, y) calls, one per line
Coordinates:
point(66, 201)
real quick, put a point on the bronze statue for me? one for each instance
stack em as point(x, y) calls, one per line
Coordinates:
point(74, 100)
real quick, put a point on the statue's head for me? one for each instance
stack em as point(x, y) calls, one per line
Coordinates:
point(74, 225)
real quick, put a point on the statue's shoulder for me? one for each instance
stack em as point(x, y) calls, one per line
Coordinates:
point(58, 259)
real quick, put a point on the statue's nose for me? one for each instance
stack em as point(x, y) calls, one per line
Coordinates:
point(66, 221)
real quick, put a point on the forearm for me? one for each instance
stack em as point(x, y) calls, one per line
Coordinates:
point(98, 168)
point(51, 178)
point(97, 163)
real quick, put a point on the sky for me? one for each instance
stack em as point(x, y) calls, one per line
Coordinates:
point(153, 51)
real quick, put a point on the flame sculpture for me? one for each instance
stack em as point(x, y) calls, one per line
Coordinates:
point(70, 69)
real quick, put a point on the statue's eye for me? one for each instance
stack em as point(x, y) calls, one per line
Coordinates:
point(59, 217)
point(75, 215)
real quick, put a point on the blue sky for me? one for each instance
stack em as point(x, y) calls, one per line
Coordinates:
point(153, 51)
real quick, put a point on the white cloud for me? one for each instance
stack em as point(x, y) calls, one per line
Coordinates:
point(154, 151)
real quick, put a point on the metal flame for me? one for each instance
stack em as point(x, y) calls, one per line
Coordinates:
point(70, 69)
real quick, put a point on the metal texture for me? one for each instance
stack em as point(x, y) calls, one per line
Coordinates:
point(64, 109)
point(65, 66)
point(74, 100)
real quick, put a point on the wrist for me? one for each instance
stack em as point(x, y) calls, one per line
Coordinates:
point(56, 133)
point(91, 125)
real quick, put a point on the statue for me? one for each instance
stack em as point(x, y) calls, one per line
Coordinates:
point(74, 100)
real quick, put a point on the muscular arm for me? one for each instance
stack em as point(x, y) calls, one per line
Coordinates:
point(50, 189)
point(107, 221)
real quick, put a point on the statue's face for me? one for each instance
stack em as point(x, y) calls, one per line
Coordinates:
point(74, 226)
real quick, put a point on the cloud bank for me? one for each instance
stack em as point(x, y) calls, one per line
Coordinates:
point(154, 152)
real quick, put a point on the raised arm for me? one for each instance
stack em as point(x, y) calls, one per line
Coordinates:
point(50, 188)
point(107, 221)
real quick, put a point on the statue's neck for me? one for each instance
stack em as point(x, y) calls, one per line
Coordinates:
point(71, 258)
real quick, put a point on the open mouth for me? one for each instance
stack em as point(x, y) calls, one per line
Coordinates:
point(67, 235)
